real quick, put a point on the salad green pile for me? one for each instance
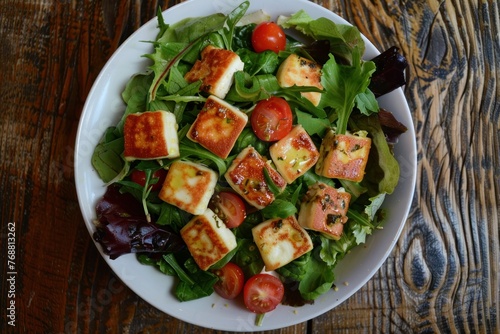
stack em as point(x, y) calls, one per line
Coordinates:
point(347, 104)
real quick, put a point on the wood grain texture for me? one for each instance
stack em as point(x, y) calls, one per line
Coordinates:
point(442, 276)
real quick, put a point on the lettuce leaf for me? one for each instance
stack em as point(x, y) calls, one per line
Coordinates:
point(382, 170)
point(343, 39)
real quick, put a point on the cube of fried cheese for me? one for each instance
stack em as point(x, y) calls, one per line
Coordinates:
point(300, 71)
point(281, 241)
point(216, 70)
point(294, 154)
point(343, 156)
point(189, 186)
point(217, 126)
point(246, 177)
point(208, 239)
point(324, 209)
point(150, 135)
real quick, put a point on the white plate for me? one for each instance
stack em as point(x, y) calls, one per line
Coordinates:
point(104, 107)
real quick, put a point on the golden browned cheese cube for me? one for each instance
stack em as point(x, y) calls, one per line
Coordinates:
point(150, 135)
point(300, 71)
point(246, 177)
point(208, 239)
point(281, 241)
point(189, 186)
point(324, 209)
point(216, 70)
point(294, 154)
point(217, 126)
point(343, 156)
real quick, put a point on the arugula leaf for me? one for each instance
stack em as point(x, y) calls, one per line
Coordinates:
point(366, 102)
point(188, 148)
point(230, 23)
point(162, 26)
point(165, 57)
point(342, 86)
point(312, 125)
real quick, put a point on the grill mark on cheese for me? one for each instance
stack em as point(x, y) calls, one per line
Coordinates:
point(150, 135)
point(188, 186)
point(207, 239)
point(343, 156)
point(215, 70)
point(296, 70)
point(246, 177)
point(281, 241)
point(217, 126)
point(294, 154)
point(324, 209)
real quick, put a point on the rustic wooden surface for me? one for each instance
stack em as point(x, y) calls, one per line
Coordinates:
point(443, 275)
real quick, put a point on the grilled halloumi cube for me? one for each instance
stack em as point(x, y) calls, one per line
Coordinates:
point(150, 135)
point(294, 154)
point(216, 70)
point(343, 156)
point(189, 186)
point(281, 241)
point(246, 176)
point(208, 239)
point(300, 71)
point(324, 209)
point(217, 126)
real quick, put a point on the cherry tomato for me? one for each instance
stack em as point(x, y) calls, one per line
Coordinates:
point(271, 119)
point(139, 177)
point(229, 207)
point(262, 293)
point(268, 36)
point(231, 280)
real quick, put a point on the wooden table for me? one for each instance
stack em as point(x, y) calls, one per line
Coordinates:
point(442, 276)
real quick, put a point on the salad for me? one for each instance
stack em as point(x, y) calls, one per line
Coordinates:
point(132, 217)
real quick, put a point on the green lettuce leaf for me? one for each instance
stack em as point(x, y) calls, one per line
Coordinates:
point(382, 169)
point(343, 38)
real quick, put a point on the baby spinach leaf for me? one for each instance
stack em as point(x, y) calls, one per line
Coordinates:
point(279, 208)
point(107, 156)
point(318, 278)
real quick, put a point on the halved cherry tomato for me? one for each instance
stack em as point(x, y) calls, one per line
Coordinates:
point(231, 281)
point(262, 293)
point(271, 119)
point(229, 207)
point(268, 36)
point(139, 177)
